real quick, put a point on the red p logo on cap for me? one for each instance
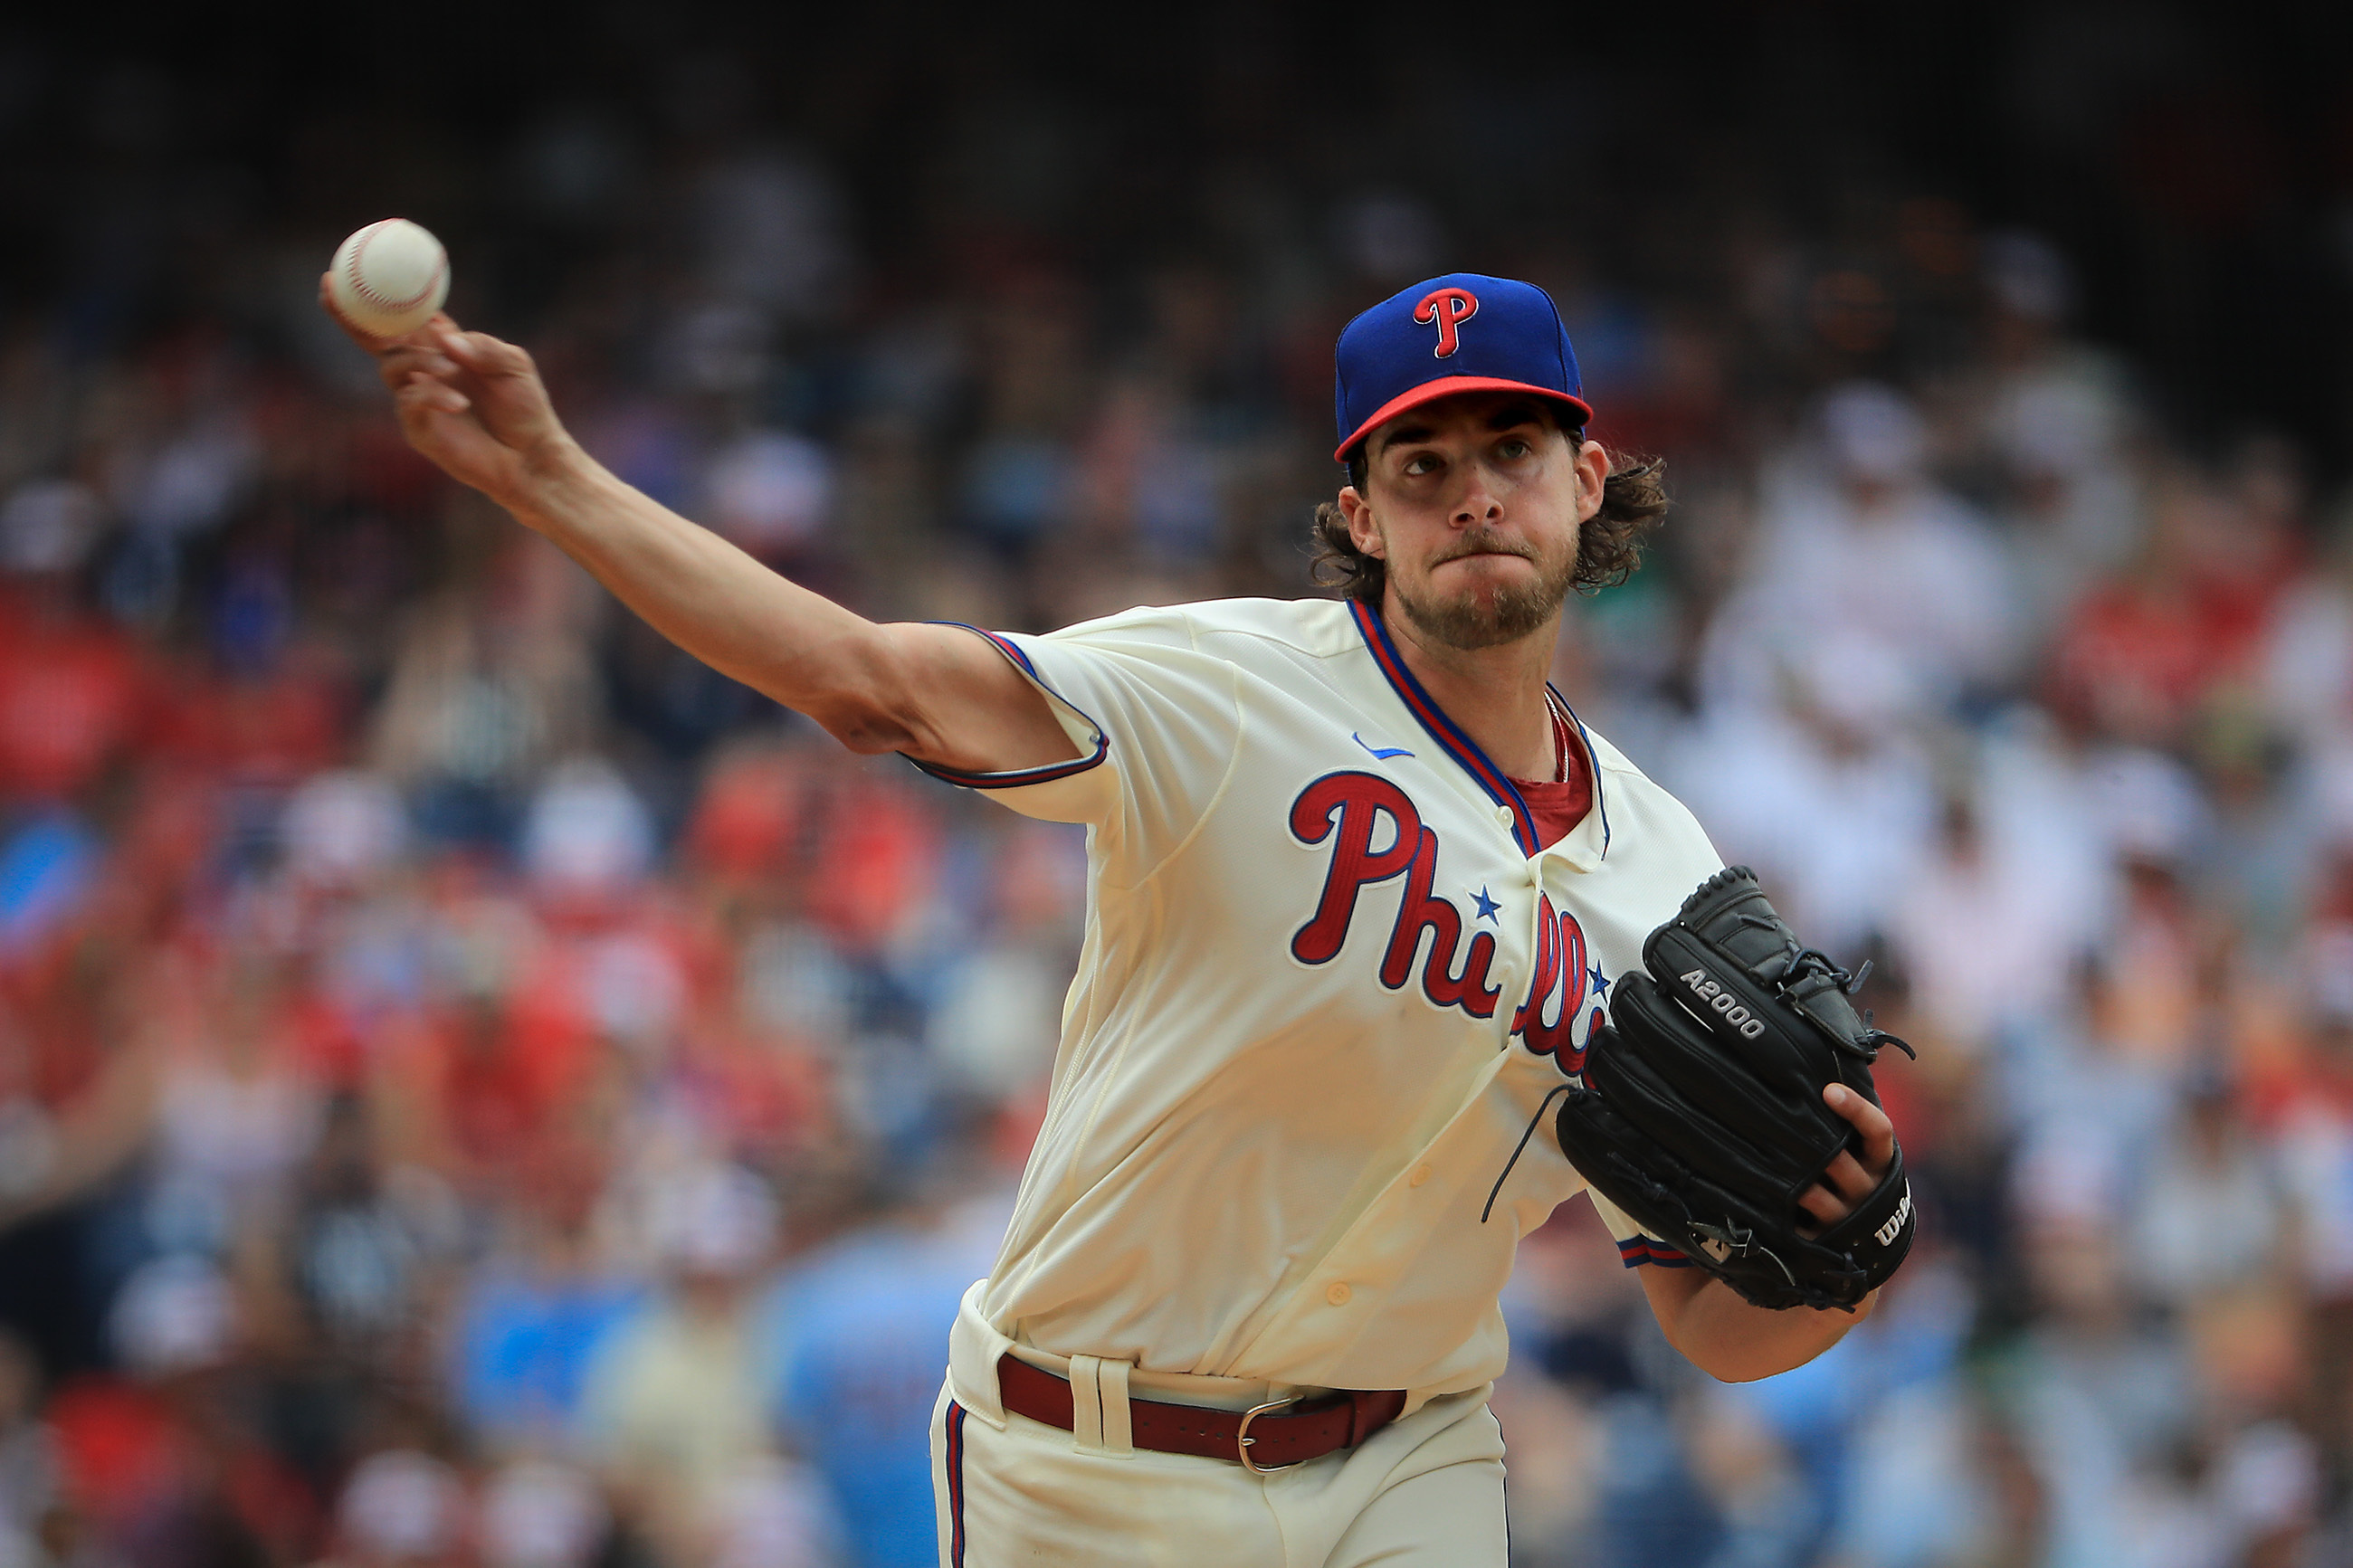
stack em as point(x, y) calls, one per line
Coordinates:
point(1450, 308)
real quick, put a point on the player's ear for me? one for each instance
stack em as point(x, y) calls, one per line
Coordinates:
point(1364, 533)
point(1592, 478)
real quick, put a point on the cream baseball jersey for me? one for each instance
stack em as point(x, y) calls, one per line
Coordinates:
point(1329, 976)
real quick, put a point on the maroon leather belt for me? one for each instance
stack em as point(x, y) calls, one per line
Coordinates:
point(1274, 1436)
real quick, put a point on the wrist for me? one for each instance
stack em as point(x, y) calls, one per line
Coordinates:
point(551, 481)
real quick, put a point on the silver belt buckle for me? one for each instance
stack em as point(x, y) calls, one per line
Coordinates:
point(1242, 1439)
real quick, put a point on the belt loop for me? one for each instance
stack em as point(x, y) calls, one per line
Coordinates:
point(975, 1347)
point(1100, 1421)
point(1118, 1431)
point(1086, 1403)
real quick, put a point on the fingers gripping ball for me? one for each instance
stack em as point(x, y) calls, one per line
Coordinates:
point(389, 278)
point(1701, 1114)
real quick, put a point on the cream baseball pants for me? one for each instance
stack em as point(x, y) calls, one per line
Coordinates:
point(1425, 1491)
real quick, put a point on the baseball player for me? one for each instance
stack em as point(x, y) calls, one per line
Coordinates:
point(1360, 885)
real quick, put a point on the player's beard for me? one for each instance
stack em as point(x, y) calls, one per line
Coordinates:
point(1471, 619)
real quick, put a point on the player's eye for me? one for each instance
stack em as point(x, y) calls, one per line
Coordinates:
point(1514, 448)
point(1420, 463)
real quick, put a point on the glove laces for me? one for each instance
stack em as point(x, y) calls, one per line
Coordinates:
point(1494, 1191)
point(1801, 964)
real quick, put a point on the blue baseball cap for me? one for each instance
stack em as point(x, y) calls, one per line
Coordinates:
point(1463, 333)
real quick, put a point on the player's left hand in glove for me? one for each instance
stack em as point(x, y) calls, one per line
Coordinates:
point(1702, 1114)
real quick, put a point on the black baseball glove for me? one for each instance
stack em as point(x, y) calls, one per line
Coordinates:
point(1701, 1114)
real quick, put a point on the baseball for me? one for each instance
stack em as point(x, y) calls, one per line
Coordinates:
point(389, 278)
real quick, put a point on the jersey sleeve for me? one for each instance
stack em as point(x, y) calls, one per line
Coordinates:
point(1156, 723)
point(1636, 1247)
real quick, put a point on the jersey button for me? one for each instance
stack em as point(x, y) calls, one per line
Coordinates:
point(1420, 1175)
point(1337, 1292)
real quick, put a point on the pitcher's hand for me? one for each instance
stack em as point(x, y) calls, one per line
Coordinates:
point(1848, 1181)
point(472, 404)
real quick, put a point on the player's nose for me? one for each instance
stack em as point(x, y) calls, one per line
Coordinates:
point(1477, 505)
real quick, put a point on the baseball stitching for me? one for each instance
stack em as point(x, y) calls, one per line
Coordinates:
point(360, 290)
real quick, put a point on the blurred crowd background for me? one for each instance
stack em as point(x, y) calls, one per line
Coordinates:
point(477, 1089)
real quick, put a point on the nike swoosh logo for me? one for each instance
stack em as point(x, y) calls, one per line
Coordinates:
point(1382, 751)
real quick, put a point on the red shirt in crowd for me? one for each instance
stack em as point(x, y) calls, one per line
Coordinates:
point(72, 692)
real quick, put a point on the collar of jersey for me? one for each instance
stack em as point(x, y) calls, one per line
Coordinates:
point(1459, 746)
point(1592, 766)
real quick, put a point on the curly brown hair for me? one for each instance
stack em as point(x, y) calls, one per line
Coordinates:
point(1608, 546)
